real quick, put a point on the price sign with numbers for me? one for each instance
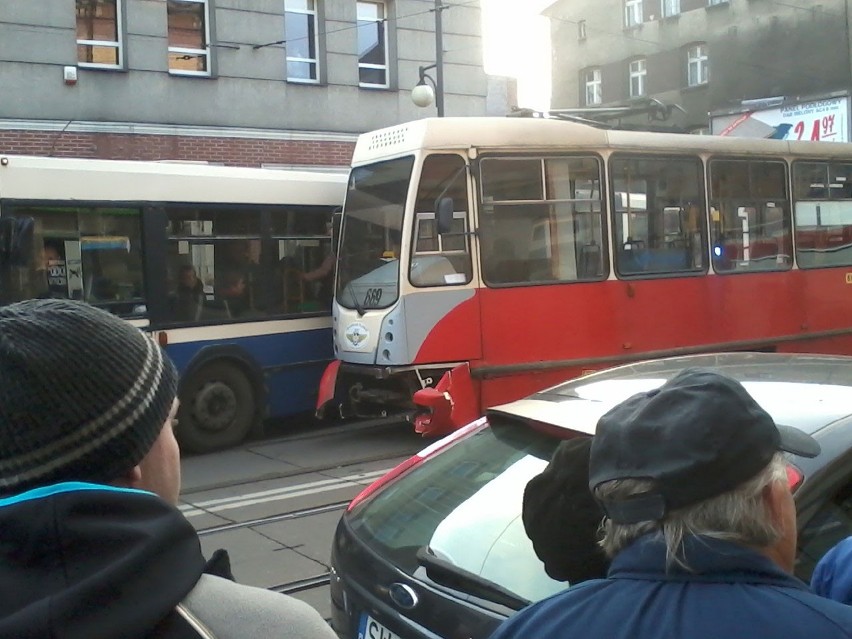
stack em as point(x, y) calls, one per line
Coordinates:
point(818, 120)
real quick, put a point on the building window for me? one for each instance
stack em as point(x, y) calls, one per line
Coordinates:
point(581, 30)
point(632, 13)
point(99, 33)
point(372, 44)
point(189, 37)
point(638, 71)
point(697, 65)
point(670, 8)
point(592, 80)
point(300, 33)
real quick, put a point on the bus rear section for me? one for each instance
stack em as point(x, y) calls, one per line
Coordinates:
point(211, 261)
point(483, 259)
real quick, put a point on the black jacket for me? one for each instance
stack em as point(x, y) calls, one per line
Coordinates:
point(84, 561)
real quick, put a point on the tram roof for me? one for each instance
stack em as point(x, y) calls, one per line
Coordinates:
point(549, 135)
point(76, 179)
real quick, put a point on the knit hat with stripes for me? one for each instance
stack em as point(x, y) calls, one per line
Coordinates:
point(83, 394)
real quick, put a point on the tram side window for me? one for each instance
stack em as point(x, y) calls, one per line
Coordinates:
point(658, 215)
point(750, 216)
point(441, 259)
point(222, 266)
point(540, 220)
point(823, 205)
point(87, 253)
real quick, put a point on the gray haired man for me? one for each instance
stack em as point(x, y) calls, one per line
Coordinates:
point(699, 522)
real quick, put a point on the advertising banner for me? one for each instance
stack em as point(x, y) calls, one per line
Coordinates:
point(818, 120)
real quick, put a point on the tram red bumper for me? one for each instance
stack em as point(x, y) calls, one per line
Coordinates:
point(448, 406)
point(327, 385)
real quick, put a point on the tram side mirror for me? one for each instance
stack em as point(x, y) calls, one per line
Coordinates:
point(444, 214)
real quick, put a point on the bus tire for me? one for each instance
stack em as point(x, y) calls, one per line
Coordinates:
point(218, 408)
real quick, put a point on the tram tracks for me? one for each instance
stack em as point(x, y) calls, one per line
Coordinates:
point(273, 519)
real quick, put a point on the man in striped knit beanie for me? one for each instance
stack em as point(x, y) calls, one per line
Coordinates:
point(91, 542)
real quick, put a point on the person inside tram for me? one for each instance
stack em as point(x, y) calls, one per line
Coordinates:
point(95, 544)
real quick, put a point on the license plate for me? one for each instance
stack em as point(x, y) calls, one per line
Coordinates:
point(369, 628)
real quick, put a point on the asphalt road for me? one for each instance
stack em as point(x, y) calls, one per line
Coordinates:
point(274, 504)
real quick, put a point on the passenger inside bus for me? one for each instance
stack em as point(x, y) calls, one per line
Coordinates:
point(233, 293)
point(188, 300)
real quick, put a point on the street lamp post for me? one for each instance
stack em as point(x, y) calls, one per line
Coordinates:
point(423, 94)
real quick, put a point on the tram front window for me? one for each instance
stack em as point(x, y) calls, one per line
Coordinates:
point(368, 270)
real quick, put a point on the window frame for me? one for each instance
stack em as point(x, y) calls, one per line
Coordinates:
point(313, 15)
point(595, 84)
point(659, 264)
point(640, 76)
point(189, 51)
point(756, 201)
point(669, 8)
point(633, 13)
point(698, 57)
point(542, 195)
point(385, 44)
point(828, 239)
point(118, 44)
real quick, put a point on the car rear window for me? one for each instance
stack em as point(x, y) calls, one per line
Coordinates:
point(465, 505)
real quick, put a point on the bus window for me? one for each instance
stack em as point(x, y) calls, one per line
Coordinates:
point(441, 259)
point(823, 201)
point(658, 214)
point(751, 230)
point(540, 220)
point(86, 253)
point(221, 266)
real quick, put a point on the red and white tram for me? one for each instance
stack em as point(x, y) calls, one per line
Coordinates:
point(482, 259)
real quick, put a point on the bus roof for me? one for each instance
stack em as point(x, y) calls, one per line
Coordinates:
point(549, 135)
point(74, 179)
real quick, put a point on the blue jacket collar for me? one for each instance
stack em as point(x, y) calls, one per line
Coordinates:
point(710, 560)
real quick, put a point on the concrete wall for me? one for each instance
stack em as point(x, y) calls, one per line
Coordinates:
point(248, 89)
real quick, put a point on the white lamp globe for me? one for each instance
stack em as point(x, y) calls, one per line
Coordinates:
point(423, 95)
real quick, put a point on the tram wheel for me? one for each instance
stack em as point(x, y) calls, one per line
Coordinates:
point(218, 409)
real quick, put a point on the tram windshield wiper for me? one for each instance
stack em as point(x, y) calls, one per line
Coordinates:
point(450, 575)
point(358, 307)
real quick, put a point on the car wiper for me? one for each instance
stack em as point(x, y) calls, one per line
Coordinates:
point(450, 575)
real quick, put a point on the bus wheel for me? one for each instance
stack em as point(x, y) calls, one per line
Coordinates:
point(218, 409)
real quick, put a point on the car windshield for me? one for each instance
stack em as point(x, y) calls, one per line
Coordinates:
point(464, 506)
point(368, 271)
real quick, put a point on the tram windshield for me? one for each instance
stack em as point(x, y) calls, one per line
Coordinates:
point(368, 270)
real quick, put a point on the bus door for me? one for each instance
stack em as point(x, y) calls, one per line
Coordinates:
point(543, 256)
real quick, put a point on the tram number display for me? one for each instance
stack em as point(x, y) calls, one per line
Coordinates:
point(373, 297)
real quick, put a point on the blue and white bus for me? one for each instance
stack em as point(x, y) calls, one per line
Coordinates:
point(210, 259)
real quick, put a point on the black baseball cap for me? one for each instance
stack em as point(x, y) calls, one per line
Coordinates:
point(697, 436)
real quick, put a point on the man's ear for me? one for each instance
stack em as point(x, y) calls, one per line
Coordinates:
point(131, 479)
point(772, 496)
